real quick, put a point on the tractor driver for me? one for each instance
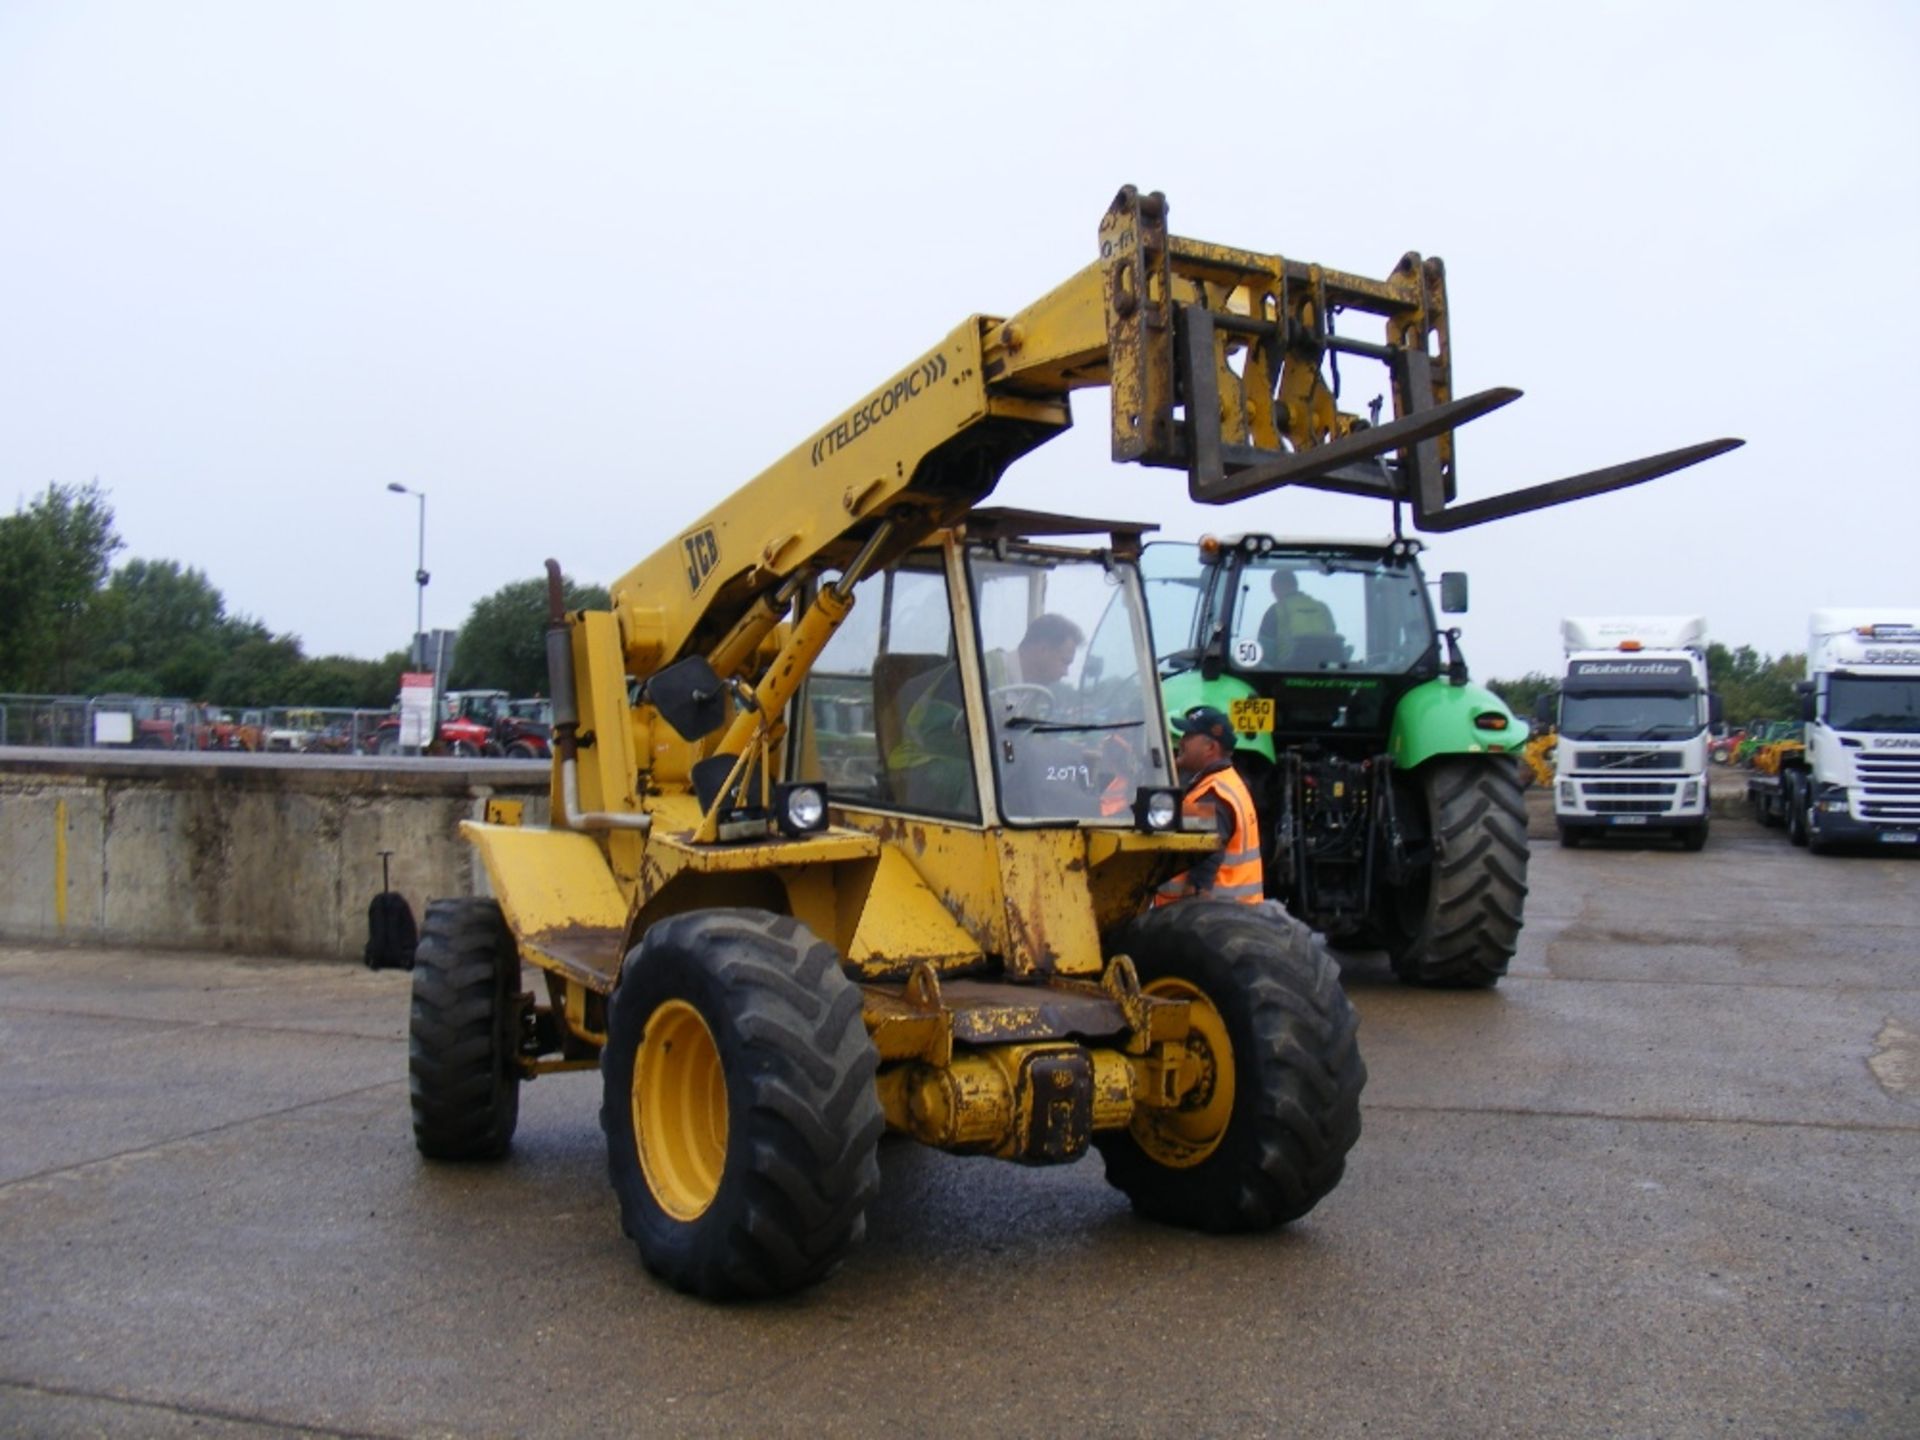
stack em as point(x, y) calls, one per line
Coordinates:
point(1292, 616)
point(1205, 757)
point(1039, 662)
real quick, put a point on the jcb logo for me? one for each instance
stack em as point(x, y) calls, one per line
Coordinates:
point(702, 554)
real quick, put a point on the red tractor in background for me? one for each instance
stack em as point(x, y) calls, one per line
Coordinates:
point(474, 723)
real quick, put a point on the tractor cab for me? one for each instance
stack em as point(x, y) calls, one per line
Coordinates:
point(1298, 641)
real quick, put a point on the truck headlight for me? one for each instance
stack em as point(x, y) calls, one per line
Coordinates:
point(1568, 795)
point(1690, 793)
point(1156, 810)
point(801, 808)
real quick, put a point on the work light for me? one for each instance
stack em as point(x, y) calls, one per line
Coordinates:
point(801, 807)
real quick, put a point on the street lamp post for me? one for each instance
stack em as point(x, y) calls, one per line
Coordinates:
point(419, 575)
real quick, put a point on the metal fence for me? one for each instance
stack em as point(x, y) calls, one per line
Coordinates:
point(150, 722)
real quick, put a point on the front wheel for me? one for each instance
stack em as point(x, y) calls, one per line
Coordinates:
point(739, 1105)
point(1694, 839)
point(1263, 1135)
point(1456, 923)
point(464, 1032)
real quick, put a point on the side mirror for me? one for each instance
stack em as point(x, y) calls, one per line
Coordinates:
point(1809, 702)
point(1544, 707)
point(1453, 592)
point(1714, 712)
point(690, 698)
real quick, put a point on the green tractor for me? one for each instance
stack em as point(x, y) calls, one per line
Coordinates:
point(1387, 783)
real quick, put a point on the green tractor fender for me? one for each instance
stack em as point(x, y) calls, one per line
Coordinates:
point(1437, 718)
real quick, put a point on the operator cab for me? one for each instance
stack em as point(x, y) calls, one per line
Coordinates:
point(996, 652)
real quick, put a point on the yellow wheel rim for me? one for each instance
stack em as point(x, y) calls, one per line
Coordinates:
point(680, 1110)
point(1184, 1136)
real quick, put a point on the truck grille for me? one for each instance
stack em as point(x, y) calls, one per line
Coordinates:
point(1626, 759)
point(1629, 797)
point(1889, 787)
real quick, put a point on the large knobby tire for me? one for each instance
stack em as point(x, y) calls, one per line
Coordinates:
point(1457, 923)
point(739, 1104)
point(464, 1033)
point(1264, 1136)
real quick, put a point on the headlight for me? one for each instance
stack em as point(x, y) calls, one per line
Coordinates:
point(1156, 810)
point(1690, 794)
point(1568, 796)
point(801, 808)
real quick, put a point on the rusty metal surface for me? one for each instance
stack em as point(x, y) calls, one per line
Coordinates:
point(988, 1012)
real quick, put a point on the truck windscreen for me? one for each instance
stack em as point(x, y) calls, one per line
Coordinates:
point(1629, 715)
point(1874, 702)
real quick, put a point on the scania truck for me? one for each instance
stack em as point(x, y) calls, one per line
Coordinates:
point(1858, 780)
point(1633, 714)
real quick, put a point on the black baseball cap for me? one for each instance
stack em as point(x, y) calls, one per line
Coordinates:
point(1207, 721)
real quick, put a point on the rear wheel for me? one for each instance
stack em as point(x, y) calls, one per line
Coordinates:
point(464, 1032)
point(1264, 1135)
point(739, 1105)
point(1793, 799)
point(521, 750)
point(1457, 923)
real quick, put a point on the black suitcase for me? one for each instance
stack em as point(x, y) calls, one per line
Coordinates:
point(391, 933)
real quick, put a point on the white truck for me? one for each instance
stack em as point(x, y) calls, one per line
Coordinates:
point(1633, 711)
point(1858, 780)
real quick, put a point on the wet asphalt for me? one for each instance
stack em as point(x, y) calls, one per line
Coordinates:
point(1664, 1181)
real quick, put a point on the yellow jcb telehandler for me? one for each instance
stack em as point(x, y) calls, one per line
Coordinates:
point(829, 855)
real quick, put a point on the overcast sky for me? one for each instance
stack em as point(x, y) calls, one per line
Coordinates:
point(577, 270)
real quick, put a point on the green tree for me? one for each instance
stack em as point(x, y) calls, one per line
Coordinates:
point(1753, 686)
point(503, 644)
point(160, 620)
point(345, 682)
point(1521, 695)
point(258, 668)
point(53, 555)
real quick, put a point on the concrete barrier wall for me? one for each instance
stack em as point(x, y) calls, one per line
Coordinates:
point(262, 854)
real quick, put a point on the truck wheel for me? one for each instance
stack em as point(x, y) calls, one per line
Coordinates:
point(739, 1104)
point(1693, 839)
point(1455, 925)
point(464, 1033)
point(1569, 838)
point(1793, 800)
point(1265, 1135)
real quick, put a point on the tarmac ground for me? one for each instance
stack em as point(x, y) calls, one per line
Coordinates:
point(1665, 1180)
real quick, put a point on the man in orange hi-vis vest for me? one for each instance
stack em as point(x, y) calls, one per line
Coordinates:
point(1205, 757)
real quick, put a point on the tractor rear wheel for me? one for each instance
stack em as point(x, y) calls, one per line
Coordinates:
point(464, 1032)
point(1264, 1135)
point(739, 1105)
point(1457, 923)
